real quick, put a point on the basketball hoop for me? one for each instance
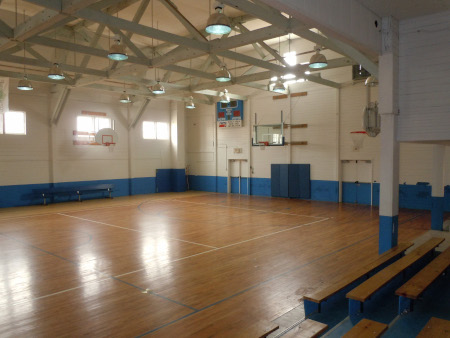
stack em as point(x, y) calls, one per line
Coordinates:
point(107, 137)
point(262, 145)
point(110, 146)
point(358, 139)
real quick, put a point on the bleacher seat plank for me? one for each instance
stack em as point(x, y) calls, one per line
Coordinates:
point(369, 287)
point(417, 284)
point(435, 328)
point(341, 283)
point(307, 329)
point(366, 328)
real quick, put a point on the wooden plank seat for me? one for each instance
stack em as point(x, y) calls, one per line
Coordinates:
point(307, 329)
point(79, 191)
point(435, 328)
point(414, 287)
point(312, 301)
point(365, 290)
point(255, 329)
point(366, 328)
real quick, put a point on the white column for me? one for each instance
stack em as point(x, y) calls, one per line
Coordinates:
point(437, 188)
point(389, 154)
point(177, 146)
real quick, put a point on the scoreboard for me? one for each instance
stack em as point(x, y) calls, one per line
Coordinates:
point(230, 114)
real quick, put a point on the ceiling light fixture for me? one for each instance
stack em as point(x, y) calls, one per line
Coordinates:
point(158, 88)
point(371, 81)
point(24, 84)
point(190, 104)
point(318, 60)
point(279, 87)
point(225, 98)
point(223, 75)
point(125, 98)
point(55, 72)
point(117, 51)
point(218, 23)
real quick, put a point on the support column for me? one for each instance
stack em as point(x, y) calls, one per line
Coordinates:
point(437, 188)
point(389, 154)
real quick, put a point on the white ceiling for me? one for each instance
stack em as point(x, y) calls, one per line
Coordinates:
point(405, 9)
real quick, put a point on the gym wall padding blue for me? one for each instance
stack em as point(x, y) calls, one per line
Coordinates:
point(291, 180)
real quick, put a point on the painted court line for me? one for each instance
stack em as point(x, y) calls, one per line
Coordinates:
point(142, 232)
point(264, 211)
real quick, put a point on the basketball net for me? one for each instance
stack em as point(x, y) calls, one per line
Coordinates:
point(110, 146)
point(358, 139)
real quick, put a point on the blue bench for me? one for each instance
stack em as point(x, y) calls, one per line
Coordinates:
point(79, 191)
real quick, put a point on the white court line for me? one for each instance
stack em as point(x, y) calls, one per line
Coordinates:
point(265, 211)
point(230, 245)
point(142, 232)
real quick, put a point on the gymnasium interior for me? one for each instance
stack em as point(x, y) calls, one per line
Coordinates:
point(233, 168)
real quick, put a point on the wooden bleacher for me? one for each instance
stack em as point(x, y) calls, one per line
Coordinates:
point(366, 328)
point(307, 329)
point(414, 287)
point(435, 328)
point(361, 293)
point(256, 329)
point(312, 301)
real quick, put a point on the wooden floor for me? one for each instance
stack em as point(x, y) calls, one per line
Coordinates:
point(175, 265)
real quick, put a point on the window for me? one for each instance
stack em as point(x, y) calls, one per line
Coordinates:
point(155, 130)
point(88, 125)
point(13, 122)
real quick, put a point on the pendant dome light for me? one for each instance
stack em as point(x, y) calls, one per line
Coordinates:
point(225, 98)
point(218, 23)
point(158, 88)
point(24, 84)
point(223, 75)
point(190, 104)
point(279, 87)
point(117, 51)
point(55, 72)
point(318, 60)
point(125, 98)
point(371, 81)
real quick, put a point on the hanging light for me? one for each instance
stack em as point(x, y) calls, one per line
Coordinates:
point(223, 75)
point(55, 72)
point(279, 87)
point(225, 98)
point(371, 81)
point(24, 84)
point(190, 104)
point(158, 88)
point(117, 51)
point(125, 98)
point(318, 60)
point(218, 23)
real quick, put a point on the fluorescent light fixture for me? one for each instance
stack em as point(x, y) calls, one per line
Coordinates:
point(117, 52)
point(24, 84)
point(223, 75)
point(318, 60)
point(190, 104)
point(125, 98)
point(290, 58)
point(218, 23)
point(55, 72)
point(158, 88)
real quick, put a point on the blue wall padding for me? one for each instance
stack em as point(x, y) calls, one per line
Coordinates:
point(437, 213)
point(275, 177)
point(178, 180)
point(20, 195)
point(376, 194)
point(143, 185)
point(170, 180)
point(305, 181)
point(260, 186)
point(284, 180)
point(293, 181)
point(202, 183)
point(325, 190)
point(415, 196)
point(163, 180)
point(388, 233)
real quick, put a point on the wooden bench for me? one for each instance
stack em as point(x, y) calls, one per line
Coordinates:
point(435, 328)
point(75, 191)
point(413, 288)
point(307, 329)
point(256, 329)
point(366, 328)
point(313, 301)
point(364, 291)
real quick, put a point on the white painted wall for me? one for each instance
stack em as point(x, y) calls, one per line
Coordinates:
point(425, 78)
